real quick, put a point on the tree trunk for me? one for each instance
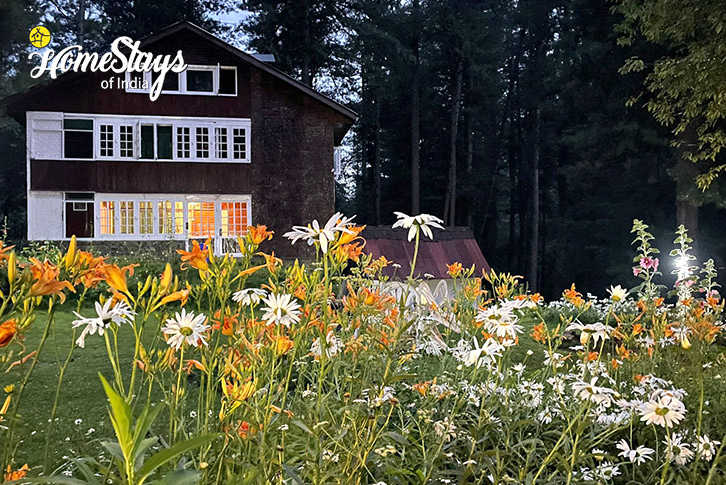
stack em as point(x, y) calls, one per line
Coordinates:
point(533, 217)
point(450, 210)
point(80, 27)
point(685, 173)
point(377, 160)
point(513, 195)
point(415, 137)
point(306, 68)
point(468, 122)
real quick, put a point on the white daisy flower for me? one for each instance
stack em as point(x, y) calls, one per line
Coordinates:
point(617, 293)
point(333, 346)
point(484, 354)
point(594, 331)
point(281, 310)
point(706, 447)
point(423, 222)
point(677, 451)
point(589, 391)
point(105, 315)
point(313, 233)
point(185, 327)
point(638, 455)
point(662, 409)
point(249, 296)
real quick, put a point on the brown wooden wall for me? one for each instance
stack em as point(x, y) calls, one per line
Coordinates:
point(141, 177)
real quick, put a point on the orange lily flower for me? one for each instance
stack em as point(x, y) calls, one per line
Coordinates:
point(454, 269)
point(197, 257)
point(8, 330)
point(116, 277)
point(46, 280)
point(573, 296)
point(346, 238)
point(539, 333)
point(4, 251)
point(11, 475)
point(351, 251)
point(194, 364)
point(179, 295)
point(258, 234)
point(282, 345)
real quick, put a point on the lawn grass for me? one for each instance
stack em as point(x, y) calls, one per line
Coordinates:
point(81, 417)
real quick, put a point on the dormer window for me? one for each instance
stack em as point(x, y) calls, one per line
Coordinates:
point(195, 80)
point(200, 80)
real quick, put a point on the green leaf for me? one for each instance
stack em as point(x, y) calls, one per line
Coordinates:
point(301, 425)
point(164, 456)
point(114, 448)
point(291, 472)
point(120, 418)
point(139, 453)
point(180, 477)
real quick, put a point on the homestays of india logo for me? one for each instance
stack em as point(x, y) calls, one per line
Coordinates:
point(124, 56)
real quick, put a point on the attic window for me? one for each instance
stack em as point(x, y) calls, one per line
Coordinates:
point(228, 80)
point(196, 80)
point(200, 80)
point(171, 81)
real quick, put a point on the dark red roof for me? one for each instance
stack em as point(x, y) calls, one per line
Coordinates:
point(452, 245)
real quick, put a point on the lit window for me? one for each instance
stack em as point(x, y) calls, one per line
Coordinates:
point(202, 136)
point(239, 145)
point(234, 218)
point(126, 141)
point(171, 217)
point(201, 219)
point(126, 215)
point(220, 142)
point(146, 217)
point(183, 142)
point(106, 141)
point(108, 217)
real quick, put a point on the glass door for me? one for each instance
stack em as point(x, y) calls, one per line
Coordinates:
point(233, 219)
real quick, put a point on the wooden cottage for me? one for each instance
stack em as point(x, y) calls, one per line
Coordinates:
point(230, 142)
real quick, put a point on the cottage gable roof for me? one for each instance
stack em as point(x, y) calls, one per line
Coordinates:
point(17, 99)
point(452, 245)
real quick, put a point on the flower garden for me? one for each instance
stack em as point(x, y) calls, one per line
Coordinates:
point(251, 370)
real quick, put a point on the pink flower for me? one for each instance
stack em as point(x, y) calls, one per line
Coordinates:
point(647, 263)
point(636, 271)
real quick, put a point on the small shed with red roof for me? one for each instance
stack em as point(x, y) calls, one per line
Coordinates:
point(452, 245)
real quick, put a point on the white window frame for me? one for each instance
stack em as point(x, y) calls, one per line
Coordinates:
point(175, 122)
point(155, 199)
point(183, 81)
point(94, 134)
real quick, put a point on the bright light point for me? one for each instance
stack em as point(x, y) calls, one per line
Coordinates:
point(682, 263)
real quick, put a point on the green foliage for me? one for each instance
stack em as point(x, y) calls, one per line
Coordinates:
point(685, 85)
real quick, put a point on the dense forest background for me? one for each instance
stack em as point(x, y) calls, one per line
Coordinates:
point(507, 116)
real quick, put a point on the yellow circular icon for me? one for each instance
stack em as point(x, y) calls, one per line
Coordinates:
point(39, 36)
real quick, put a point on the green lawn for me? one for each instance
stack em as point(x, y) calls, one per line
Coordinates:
point(81, 396)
